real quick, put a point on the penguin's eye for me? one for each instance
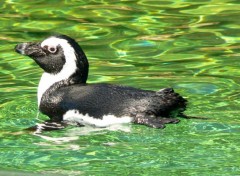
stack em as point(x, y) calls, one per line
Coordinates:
point(51, 49)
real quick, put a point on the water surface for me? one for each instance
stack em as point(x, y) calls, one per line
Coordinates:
point(188, 45)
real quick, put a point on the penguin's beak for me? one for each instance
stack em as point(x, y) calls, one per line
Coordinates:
point(30, 49)
point(20, 48)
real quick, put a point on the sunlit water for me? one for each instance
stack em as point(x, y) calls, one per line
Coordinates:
point(188, 45)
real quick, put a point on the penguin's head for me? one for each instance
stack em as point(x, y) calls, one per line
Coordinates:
point(56, 54)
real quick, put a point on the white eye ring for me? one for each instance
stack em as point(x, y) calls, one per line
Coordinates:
point(52, 49)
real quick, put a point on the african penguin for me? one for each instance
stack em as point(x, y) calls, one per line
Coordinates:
point(64, 96)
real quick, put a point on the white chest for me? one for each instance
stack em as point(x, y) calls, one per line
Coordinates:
point(47, 79)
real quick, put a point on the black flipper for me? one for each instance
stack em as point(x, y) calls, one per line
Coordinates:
point(154, 122)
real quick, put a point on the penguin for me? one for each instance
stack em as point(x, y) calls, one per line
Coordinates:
point(65, 96)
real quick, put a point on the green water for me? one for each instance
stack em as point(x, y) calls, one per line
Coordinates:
point(192, 46)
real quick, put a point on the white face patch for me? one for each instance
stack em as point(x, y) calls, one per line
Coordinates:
point(47, 79)
point(107, 120)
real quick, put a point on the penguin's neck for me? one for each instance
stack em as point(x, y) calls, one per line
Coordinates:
point(48, 79)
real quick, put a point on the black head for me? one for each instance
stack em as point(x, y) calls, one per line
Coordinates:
point(57, 54)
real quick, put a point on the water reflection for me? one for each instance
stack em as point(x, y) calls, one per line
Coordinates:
point(191, 46)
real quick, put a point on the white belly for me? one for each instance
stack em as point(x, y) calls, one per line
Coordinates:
point(107, 120)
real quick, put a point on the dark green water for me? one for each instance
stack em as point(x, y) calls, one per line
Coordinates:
point(192, 46)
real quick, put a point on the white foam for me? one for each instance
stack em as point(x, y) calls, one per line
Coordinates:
point(47, 79)
point(106, 121)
